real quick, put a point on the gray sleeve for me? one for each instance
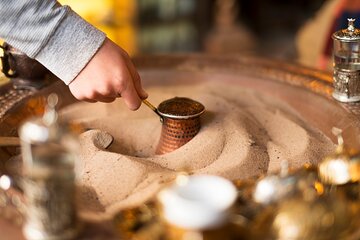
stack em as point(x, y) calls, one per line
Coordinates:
point(52, 34)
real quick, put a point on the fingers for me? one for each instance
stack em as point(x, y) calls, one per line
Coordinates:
point(105, 99)
point(109, 74)
point(89, 95)
point(136, 79)
point(99, 99)
point(130, 95)
point(88, 100)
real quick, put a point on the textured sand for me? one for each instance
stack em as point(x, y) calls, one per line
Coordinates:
point(243, 134)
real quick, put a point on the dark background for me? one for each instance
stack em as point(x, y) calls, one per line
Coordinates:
point(273, 23)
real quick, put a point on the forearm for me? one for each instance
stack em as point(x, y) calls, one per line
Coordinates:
point(52, 34)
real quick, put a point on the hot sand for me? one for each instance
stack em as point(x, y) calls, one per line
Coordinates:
point(243, 134)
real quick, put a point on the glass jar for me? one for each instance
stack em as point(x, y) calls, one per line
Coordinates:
point(49, 179)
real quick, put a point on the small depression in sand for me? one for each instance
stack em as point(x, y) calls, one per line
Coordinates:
point(244, 133)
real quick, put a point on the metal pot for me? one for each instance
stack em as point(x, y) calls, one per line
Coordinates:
point(181, 122)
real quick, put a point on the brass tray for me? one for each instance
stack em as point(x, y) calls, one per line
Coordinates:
point(304, 89)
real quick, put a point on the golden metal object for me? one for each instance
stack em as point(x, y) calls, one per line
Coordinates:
point(144, 223)
point(139, 223)
point(9, 141)
point(164, 217)
point(274, 188)
point(311, 211)
point(152, 107)
point(320, 219)
point(341, 167)
point(147, 103)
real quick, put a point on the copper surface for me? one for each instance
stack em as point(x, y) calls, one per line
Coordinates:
point(304, 89)
point(177, 132)
point(181, 122)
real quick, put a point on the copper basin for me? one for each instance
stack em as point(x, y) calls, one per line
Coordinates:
point(304, 89)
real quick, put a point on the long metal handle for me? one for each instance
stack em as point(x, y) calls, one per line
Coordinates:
point(147, 103)
point(153, 108)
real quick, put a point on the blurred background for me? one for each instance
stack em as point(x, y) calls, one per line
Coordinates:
point(291, 30)
point(260, 27)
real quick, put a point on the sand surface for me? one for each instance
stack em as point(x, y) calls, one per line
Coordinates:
point(243, 134)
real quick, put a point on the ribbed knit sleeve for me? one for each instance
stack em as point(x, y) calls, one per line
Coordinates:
point(52, 34)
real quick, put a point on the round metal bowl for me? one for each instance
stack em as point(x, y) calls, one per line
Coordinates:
point(304, 89)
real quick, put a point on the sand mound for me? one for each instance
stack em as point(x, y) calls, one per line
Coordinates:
point(243, 134)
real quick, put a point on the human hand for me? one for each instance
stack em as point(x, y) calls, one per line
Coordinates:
point(108, 75)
